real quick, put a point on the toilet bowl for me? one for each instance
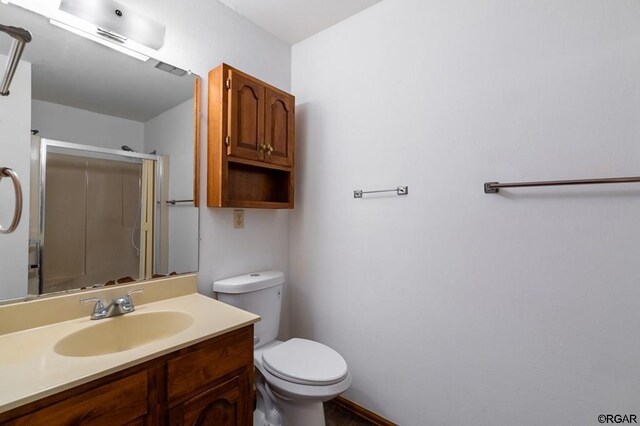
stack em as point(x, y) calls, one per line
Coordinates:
point(293, 378)
point(301, 374)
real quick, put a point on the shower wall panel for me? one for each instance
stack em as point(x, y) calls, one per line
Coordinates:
point(91, 221)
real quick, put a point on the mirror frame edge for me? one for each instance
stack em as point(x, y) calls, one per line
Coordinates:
point(196, 144)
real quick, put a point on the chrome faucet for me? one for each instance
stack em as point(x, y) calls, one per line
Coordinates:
point(118, 306)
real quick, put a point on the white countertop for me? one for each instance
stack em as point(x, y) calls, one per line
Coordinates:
point(30, 369)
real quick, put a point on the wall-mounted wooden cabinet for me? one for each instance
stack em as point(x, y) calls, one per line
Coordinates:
point(251, 142)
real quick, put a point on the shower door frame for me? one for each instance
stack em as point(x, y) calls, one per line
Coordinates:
point(155, 161)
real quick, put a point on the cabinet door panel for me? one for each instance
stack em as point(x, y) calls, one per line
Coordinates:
point(280, 122)
point(221, 405)
point(121, 402)
point(246, 117)
point(198, 368)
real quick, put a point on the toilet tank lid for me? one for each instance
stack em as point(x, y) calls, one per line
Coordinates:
point(249, 282)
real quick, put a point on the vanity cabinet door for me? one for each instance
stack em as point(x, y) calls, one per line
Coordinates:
point(221, 405)
point(212, 384)
point(198, 369)
point(279, 127)
point(246, 116)
point(121, 402)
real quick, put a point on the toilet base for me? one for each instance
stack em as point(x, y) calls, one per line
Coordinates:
point(295, 414)
point(258, 418)
point(301, 412)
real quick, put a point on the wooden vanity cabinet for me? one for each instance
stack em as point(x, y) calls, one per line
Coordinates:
point(220, 405)
point(123, 401)
point(210, 383)
point(195, 391)
point(251, 142)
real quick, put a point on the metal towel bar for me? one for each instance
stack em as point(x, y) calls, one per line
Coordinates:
point(20, 38)
point(494, 187)
point(400, 190)
point(174, 202)
point(17, 212)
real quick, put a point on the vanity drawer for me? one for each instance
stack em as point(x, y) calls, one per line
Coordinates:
point(117, 403)
point(198, 368)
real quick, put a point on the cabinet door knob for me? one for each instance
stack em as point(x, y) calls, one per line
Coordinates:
point(269, 150)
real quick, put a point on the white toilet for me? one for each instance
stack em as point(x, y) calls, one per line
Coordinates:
point(295, 377)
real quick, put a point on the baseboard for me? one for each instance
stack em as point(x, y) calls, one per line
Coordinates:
point(362, 412)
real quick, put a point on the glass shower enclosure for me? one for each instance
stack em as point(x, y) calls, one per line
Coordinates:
point(95, 215)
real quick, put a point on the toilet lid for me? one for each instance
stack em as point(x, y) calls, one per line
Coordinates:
point(305, 362)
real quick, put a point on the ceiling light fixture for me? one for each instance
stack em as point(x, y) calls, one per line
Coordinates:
point(111, 24)
point(116, 18)
point(104, 38)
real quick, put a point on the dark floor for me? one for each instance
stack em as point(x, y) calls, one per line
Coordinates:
point(335, 415)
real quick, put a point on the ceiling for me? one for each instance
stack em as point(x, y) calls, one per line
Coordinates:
point(70, 70)
point(295, 20)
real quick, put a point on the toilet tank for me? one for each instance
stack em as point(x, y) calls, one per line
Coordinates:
point(259, 293)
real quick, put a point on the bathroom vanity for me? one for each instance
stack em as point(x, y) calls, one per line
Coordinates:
point(198, 373)
point(207, 383)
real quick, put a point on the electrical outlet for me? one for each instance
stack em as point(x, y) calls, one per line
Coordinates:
point(238, 219)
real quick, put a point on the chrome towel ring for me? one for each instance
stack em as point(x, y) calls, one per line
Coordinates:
point(17, 213)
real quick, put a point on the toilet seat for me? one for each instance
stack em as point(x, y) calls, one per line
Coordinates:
point(305, 362)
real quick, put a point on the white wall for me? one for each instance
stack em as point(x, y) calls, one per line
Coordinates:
point(453, 307)
point(171, 133)
point(68, 124)
point(15, 112)
point(200, 35)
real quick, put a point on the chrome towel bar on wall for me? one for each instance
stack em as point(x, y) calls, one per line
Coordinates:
point(401, 190)
point(494, 187)
point(17, 212)
point(174, 202)
point(20, 38)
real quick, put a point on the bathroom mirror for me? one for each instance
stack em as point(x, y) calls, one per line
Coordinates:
point(117, 133)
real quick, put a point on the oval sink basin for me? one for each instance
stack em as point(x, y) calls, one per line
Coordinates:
point(122, 333)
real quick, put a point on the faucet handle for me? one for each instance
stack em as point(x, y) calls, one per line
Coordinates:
point(99, 311)
point(134, 291)
point(92, 299)
point(127, 299)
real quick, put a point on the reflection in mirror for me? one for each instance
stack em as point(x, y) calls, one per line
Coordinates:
point(112, 146)
point(96, 205)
